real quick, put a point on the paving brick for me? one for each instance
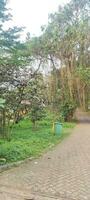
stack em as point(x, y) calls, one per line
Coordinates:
point(60, 174)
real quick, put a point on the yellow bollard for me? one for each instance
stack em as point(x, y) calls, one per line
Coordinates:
point(53, 128)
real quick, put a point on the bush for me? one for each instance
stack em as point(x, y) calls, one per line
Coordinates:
point(67, 110)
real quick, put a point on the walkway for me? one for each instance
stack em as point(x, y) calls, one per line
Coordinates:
point(61, 174)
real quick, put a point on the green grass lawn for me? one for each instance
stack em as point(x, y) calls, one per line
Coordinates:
point(26, 142)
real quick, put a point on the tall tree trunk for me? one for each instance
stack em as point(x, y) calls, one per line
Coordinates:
point(79, 93)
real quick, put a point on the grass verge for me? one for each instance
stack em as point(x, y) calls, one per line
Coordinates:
point(26, 142)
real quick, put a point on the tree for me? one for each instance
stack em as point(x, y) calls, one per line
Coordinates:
point(35, 95)
point(10, 60)
point(65, 43)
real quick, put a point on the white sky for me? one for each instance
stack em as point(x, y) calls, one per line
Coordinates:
point(33, 13)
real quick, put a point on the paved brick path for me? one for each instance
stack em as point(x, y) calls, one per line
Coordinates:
point(61, 174)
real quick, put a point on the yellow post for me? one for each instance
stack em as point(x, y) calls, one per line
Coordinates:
point(53, 128)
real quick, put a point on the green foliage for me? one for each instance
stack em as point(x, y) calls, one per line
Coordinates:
point(10, 61)
point(3, 15)
point(36, 98)
point(2, 103)
point(84, 74)
point(67, 110)
point(64, 40)
point(2, 117)
point(37, 112)
point(49, 118)
point(26, 142)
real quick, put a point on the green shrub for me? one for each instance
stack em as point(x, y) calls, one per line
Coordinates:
point(67, 110)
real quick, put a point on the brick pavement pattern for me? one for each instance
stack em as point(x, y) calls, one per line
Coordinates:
point(61, 174)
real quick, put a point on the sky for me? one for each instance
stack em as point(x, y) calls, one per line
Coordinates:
point(33, 13)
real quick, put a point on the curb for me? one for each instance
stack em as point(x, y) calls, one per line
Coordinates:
point(14, 164)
